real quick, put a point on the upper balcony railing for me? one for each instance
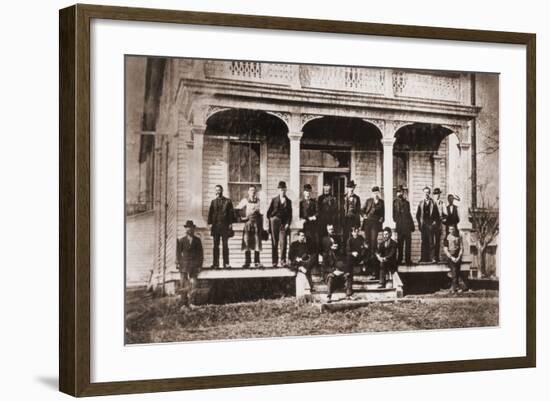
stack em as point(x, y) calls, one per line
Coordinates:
point(370, 81)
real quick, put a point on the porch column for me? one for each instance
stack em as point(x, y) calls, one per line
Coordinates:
point(387, 144)
point(195, 176)
point(294, 184)
point(465, 185)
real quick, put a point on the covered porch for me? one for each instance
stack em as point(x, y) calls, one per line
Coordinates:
point(240, 147)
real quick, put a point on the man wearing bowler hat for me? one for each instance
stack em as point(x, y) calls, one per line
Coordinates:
point(439, 227)
point(404, 225)
point(189, 254)
point(309, 214)
point(373, 217)
point(428, 220)
point(280, 217)
point(352, 210)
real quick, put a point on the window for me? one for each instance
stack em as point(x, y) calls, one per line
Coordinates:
point(244, 169)
point(400, 174)
point(325, 157)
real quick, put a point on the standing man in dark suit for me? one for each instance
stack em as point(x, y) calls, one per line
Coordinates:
point(327, 210)
point(439, 228)
point(189, 254)
point(428, 220)
point(220, 220)
point(352, 210)
point(386, 255)
point(404, 225)
point(373, 217)
point(280, 217)
point(309, 213)
point(450, 216)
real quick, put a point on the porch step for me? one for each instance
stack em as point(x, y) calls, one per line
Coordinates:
point(357, 288)
point(214, 274)
point(369, 296)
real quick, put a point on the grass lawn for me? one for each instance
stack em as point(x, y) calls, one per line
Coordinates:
point(163, 320)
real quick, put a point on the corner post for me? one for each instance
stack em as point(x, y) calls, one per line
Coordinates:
point(465, 203)
point(195, 176)
point(295, 136)
point(387, 144)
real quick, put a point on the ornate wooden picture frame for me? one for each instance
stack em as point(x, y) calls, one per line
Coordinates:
point(75, 209)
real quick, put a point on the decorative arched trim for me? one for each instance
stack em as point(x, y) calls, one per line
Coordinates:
point(211, 110)
point(282, 115)
point(380, 124)
point(306, 118)
point(460, 131)
point(396, 125)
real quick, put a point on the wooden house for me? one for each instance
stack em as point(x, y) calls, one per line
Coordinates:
point(236, 123)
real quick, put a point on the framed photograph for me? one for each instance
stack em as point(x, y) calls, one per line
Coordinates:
point(250, 200)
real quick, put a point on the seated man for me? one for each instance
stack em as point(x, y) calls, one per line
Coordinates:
point(355, 249)
point(302, 257)
point(334, 265)
point(387, 256)
point(189, 254)
point(453, 249)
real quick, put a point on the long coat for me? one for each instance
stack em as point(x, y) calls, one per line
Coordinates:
point(327, 210)
point(278, 209)
point(220, 215)
point(402, 217)
point(373, 213)
point(189, 254)
point(309, 209)
point(352, 209)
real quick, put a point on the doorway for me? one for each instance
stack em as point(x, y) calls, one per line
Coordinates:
point(338, 182)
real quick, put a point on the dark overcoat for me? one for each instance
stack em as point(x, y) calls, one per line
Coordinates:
point(327, 210)
point(309, 209)
point(221, 215)
point(402, 217)
point(373, 213)
point(281, 210)
point(190, 256)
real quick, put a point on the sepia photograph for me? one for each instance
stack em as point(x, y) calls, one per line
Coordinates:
point(266, 199)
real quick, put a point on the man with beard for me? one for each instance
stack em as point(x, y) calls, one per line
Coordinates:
point(309, 213)
point(327, 210)
point(220, 219)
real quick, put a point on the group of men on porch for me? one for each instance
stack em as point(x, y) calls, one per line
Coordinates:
point(318, 235)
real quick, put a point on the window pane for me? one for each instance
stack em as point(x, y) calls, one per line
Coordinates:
point(325, 157)
point(234, 162)
point(254, 162)
point(400, 169)
point(243, 162)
